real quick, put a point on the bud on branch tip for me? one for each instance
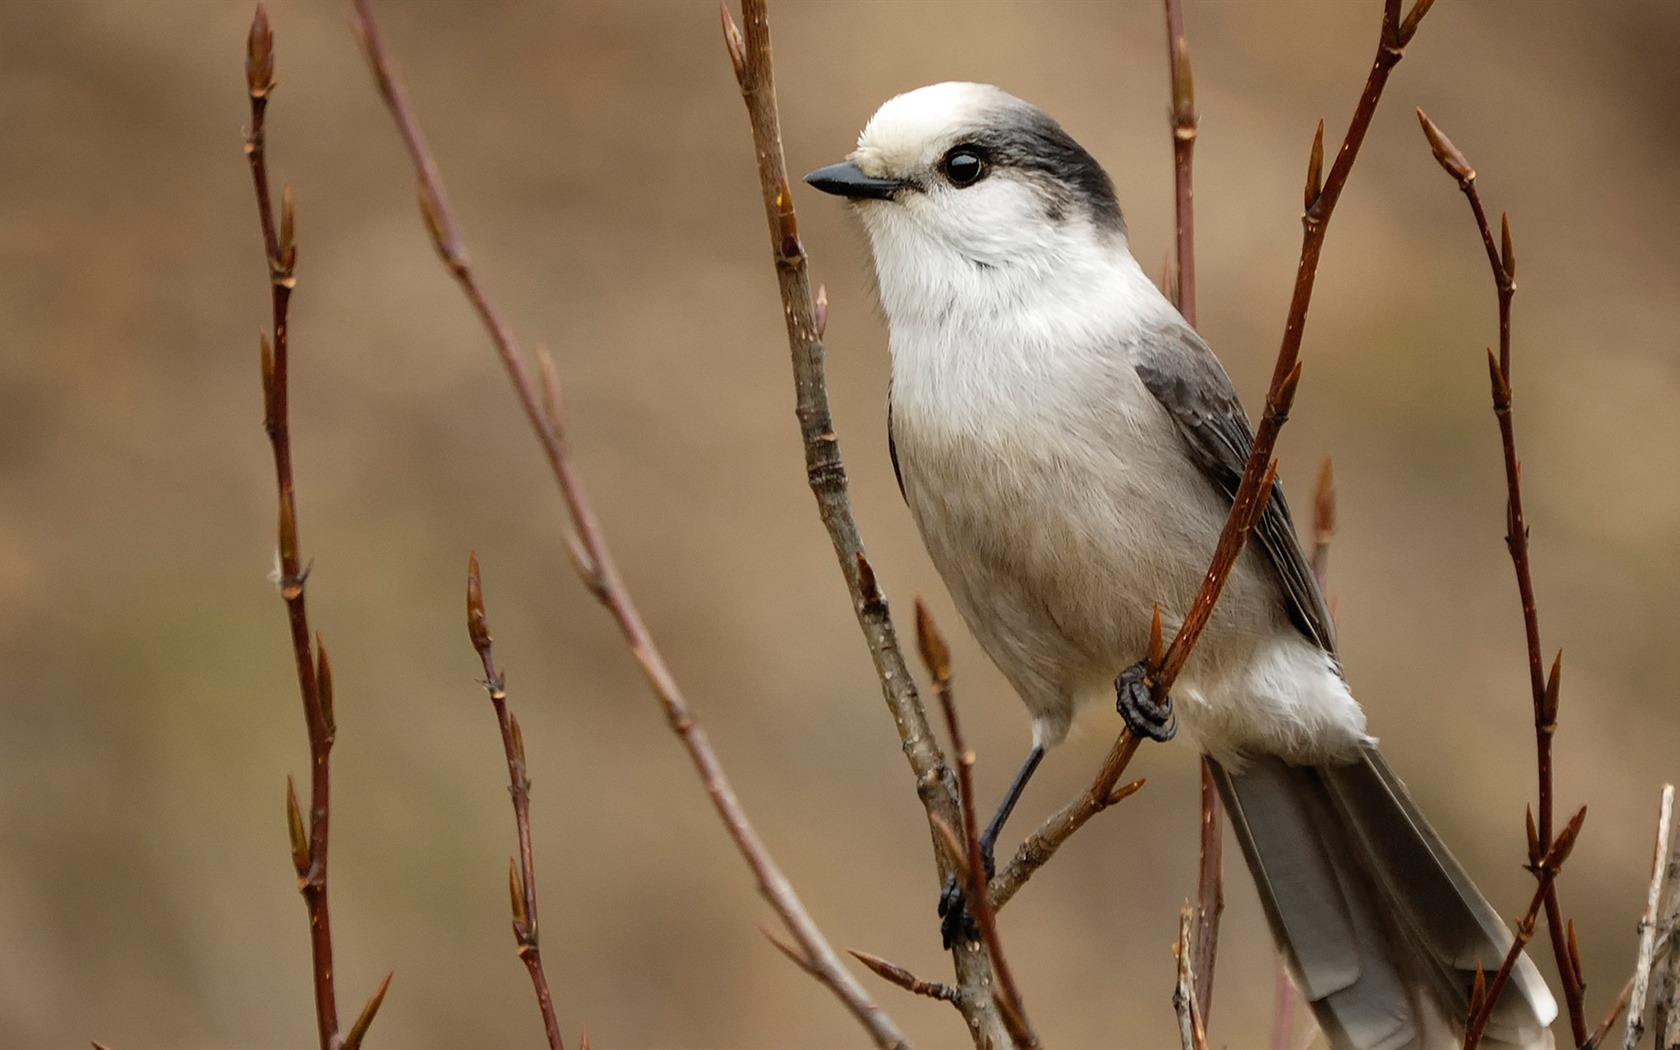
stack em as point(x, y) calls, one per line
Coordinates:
point(1446, 154)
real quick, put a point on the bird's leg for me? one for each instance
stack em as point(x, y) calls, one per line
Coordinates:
point(1133, 699)
point(951, 907)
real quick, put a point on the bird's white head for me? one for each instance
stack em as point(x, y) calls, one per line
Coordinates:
point(964, 186)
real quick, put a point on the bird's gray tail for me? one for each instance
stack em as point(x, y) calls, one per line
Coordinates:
point(1381, 927)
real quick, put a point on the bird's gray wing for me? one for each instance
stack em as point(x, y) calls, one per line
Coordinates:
point(1187, 379)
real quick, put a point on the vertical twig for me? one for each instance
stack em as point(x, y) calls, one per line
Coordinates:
point(522, 878)
point(1210, 884)
point(1665, 974)
point(309, 845)
point(1638, 996)
point(1502, 261)
point(1323, 530)
point(1192, 1033)
point(594, 560)
point(937, 655)
point(805, 315)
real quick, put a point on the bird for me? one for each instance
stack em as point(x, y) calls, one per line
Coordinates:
point(1069, 448)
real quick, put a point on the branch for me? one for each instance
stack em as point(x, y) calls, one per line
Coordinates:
point(314, 672)
point(1638, 996)
point(522, 880)
point(1255, 489)
point(1502, 261)
point(1043, 843)
point(906, 980)
point(1484, 997)
point(1665, 972)
point(1192, 1035)
point(595, 561)
point(938, 658)
point(1210, 884)
point(805, 316)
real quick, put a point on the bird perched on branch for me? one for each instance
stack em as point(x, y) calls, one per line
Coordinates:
point(1069, 448)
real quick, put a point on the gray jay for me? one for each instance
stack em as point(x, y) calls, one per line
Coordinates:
point(1069, 448)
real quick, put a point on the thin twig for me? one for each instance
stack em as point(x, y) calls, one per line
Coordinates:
point(1043, 843)
point(937, 656)
point(600, 570)
point(1324, 525)
point(1665, 969)
point(906, 980)
point(309, 848)
point(1210, 882)
point(1192, 1032)
point(1255, 488)
point(1482, 1001)
point(805, 316)
point(1323, 530)
point(1611, 1016)
point(522, 880)
point(1637, 998)
point(1502, 261)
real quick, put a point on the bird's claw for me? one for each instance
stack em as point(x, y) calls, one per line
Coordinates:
point(1136, 703)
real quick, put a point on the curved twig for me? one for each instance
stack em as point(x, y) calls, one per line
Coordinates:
point(600, 571)
point(1544, 688)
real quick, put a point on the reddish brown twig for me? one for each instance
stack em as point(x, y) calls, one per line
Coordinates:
point(595, 562)
point(906, 980)
point(1321, 197)
point(522, 878)
point(1502, 261)
point(805, 316)
point(937, 655)
point(1210, 883)
point(309, 847)
point(1485, 996)
point(1183, 116)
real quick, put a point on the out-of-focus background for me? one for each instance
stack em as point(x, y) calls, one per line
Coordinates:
point(599, 158)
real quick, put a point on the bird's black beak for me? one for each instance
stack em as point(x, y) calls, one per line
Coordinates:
point(845, 180)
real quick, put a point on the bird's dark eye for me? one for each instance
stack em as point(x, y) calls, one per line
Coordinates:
point(963, 166)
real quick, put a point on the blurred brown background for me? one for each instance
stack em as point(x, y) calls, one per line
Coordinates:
point(600, 162)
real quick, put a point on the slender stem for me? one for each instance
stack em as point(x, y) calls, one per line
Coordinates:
point(1255, 488)
point(1210, 882)
point(1544, 689)
point(523, 883)
point(825, 472)
point(1043, 843)
point(1192, 1032)
point(1547, 871)
point(1640, 988)
point(938, 658)
point(600, 571)
point(281, 255)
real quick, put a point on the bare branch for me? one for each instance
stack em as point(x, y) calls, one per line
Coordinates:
point(1483, 1001)
point(906, 980)
point(750, 55)
point(1544, 688)
point(1043, 843)
point(309, 848)
point(522, 881)
point(1637, 997)
point(1192, 1035)
point(938, 657)
point(607, 584)
point(1210, 879)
